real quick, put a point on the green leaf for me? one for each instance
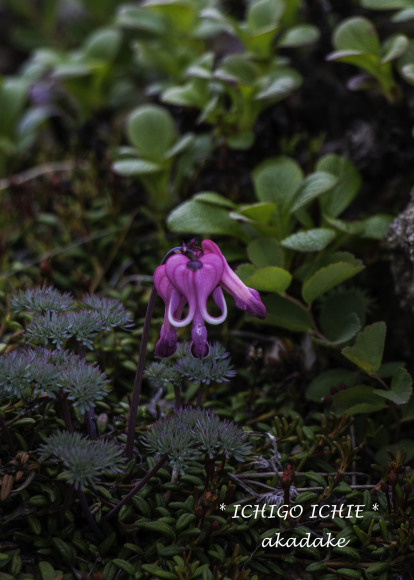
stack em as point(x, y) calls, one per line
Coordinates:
point(300, 36)
point(187, 95)
point(265, 252)
point(129, 167)
point(138, 18)
point(368, 348)
point(125, 566)
point(321, 385)
point(69, 70)
point(259, 212)
point(236, 68)
point(356, 401)
point(322, 260)
point(241, 141)
point(401, 388)
point(244, 271)
point(408, 72)
point(334, 202)
point(357, 34)
point(313, 186)
point(338, 307)
point(276, 180)
point(151, 130)
point(345, 329)
point(351, 228)
point(270, 279)
point(309, 241)
point(180, 14)
point(264, 14)
point(403, 15)
point(197, 217)
point(394, 47)
point(386, 4)
point(214, 199)
point(181, 145)
point(376, 227)
point(13, 96)
point(408, 411)
point(157, 572)
point(103, 44)
point(327, 278)
point(278, 85)
point(286, 314)
point(47, 572)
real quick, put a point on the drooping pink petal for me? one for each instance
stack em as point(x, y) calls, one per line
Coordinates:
point(199, 346)
point(162, 283)
point(181, 279)
point(246, 298)
point(218, 298)
point(206, 280)
point(167, 343)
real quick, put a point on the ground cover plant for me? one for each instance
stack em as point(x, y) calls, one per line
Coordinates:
point(205, 359)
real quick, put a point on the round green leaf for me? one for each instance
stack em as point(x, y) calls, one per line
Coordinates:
point(300, 36)
point(103, 44)
point(151, 130)
point(276, 180)
point(263, 14)
point(196, 217)
point(270, 279)
point(394, 47)
point(357, 34)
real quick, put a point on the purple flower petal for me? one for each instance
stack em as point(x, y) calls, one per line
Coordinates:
point(199, 347)
point(206, 280)
point(246, 298)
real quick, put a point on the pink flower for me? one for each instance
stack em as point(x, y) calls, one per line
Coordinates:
point(183, 280)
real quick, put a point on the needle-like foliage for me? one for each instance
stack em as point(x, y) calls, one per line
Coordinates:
point(85, 384)
point(189, 433)
point(216, 367)
point(84, 460)
point(24, 374)
point(111, 312)
point(40, 300)
point(56, 320)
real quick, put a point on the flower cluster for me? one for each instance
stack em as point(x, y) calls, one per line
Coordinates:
point(185, 280)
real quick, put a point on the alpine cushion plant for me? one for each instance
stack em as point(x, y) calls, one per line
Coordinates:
point(193, 279)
